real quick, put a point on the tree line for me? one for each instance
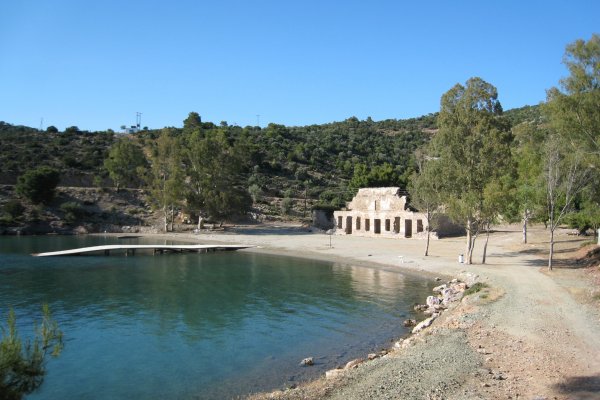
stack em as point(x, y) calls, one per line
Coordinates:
point(480, 168)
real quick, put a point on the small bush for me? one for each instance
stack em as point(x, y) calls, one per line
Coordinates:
point(6, 220)
point(14, 208)
point(286, 205)
point(477, 287)
point(72, 210)
point(255, 192)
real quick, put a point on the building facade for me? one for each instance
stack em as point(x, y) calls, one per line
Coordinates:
point(379, 212)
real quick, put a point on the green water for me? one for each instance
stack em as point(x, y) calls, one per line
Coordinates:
point(206, 326)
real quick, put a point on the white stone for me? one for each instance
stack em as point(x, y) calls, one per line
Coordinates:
point(423, 324)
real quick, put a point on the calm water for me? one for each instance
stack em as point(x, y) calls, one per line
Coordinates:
point(197, 325)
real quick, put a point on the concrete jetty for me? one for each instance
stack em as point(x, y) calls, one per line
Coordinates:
point(155, 248)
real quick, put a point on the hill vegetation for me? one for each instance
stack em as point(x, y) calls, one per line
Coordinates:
point(282, 167)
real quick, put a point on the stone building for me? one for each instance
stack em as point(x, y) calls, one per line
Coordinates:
point(384, 212)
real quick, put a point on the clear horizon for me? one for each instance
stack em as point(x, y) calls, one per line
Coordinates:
point(95, 65)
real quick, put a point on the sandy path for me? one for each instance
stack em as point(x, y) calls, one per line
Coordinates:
point(536, 341)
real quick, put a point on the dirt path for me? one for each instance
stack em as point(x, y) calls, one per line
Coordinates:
point(542, 340)
point(539, 340)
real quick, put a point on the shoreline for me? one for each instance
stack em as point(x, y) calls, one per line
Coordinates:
point(530, 336)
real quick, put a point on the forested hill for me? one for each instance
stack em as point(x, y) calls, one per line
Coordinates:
point(325, 162)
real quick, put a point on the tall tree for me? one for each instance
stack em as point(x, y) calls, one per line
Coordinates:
point(216, 175)
point(425, 188)
point(126, 163)
point(167, 180)
point(529, 197)
point(574, 113)
point(193, 123)
point(566, 175)
point(473, 146)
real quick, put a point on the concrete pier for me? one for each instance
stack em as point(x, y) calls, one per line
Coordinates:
point(154, 248)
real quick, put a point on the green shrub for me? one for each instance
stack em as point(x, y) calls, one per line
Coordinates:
point(73, 211)
point(255, 192)
point(38, 185)
point(286, 205)
point(14, 208)
point(477, 287)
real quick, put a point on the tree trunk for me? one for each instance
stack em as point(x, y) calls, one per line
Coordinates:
point(487, 239)
point(552, 228)
point(525, 221)
point(468, 249)
point(470, 257)
point(166, 221)
point(172, 219)
point(427, 246)
point(551, 249)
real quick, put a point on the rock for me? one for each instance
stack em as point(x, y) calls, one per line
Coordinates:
point(333, 373)
point(433, 301)
point(307, 362)
point(423, 324)
point(409, 322)
point(438, 289)
point(437, 279)
point(373, 356)
point(354, 363)
point(421, 307)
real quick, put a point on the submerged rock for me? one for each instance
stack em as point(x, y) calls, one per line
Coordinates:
point(409, 322)
point(307, 362)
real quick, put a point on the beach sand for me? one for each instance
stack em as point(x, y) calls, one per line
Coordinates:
point(533, 335)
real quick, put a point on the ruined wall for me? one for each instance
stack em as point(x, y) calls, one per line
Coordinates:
point(378, 199)
point(380, 212)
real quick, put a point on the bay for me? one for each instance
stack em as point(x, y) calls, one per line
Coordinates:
point(188, 326)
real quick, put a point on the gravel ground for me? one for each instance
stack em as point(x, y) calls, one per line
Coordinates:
point(432, 369)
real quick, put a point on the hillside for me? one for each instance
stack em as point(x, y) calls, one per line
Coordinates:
point(308, 165)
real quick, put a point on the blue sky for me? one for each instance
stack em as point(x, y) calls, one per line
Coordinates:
point(95, 64)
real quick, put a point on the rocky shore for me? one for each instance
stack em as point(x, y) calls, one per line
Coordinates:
point(337, 383)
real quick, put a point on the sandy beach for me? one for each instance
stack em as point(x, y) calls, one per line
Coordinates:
point(534, 335)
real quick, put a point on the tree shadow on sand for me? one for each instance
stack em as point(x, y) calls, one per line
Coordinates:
point(580, 387)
